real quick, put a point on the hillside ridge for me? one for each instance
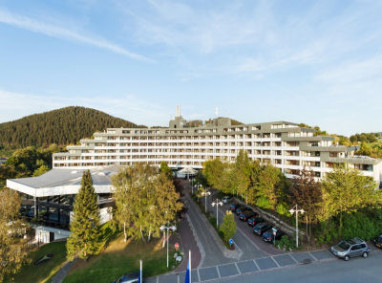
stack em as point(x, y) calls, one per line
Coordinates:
point(61, 126)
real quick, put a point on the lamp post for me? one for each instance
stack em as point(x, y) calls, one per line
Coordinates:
point(218, 203)
point(296, 210)
point(205, 194)
point(167, 227)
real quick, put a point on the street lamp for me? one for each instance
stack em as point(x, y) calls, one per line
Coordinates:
point(296, 210)
point(205, 194)
point(218, 203)
point(168, 227)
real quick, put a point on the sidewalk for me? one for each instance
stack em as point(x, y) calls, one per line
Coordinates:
point(269, 263)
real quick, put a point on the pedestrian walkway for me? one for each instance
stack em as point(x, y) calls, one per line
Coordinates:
point(227, 270)
point(64, 270)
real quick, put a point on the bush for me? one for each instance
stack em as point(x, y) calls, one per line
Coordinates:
point(228, 226)
point(286, 243)
point(282, 209)
point(263, 202)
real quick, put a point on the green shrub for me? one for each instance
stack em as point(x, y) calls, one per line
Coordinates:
point(286, 243)
point(282, 209)
point(263, 202)
point(228, 226)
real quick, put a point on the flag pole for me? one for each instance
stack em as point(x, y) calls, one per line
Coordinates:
point(140, 272)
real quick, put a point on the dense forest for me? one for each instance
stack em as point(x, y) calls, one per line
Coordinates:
point(62, 126)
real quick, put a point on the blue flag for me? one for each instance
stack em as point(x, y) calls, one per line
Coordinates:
point(140, 272)
point(188, 271)
point(187, 279)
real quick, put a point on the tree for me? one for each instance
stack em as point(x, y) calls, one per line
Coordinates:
point(228, 226)
point(144, 201)
point(165, 169)
point(13, 249)
point(84, 239)
point(213, 170)
point(255, 181)
point(41, 170)
point(346, 190)
point(307, 194)
point(242, 174)
point(268, 187)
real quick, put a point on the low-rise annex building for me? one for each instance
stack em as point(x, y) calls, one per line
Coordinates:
point(47, 200)
point(282, 144)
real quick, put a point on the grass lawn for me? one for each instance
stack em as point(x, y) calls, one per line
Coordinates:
point(120, 258)
point(44, 271)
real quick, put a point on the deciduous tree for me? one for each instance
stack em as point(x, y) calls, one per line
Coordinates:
point(145, 200)
point(268, 184)
point(228, 226)
point(213, 170)
point(13, 249)
point(307, 194)
point(346, 190)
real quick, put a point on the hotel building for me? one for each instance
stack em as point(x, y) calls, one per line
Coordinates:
point(282, 144)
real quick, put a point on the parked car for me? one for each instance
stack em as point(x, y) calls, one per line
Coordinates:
point(241, 209)
point(378, 241)
point(260, 228)
point(269, 236)
point(245, 215)
point(235, 206)
point(227, 199)
point(255, 220)
point(350, 248)
point(128, 278)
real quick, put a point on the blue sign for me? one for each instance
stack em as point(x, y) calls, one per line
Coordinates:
point(230, 242)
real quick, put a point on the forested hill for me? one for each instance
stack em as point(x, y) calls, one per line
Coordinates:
point(62, 126)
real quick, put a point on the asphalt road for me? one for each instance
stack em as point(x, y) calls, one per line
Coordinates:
point(335, 271)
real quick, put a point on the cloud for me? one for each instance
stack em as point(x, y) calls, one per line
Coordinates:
point(63, 33)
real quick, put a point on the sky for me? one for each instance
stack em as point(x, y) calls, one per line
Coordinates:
point(316, 62)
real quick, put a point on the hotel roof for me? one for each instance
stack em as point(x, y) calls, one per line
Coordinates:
point(63, 182)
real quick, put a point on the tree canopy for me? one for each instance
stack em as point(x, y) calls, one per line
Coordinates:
point(13, 249)
point(145, 200)
point(62, 126)
point(347, 190)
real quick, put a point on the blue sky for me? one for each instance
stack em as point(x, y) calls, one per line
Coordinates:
point(317, 62)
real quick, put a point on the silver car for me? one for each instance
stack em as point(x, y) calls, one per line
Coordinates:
point(227, 199)
point(350, 248)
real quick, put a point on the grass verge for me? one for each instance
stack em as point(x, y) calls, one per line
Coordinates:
point(119, 258)
point(45, 271)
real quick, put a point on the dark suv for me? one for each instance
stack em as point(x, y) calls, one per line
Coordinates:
point(350, 248)
point(378, 241)
point(245, 215)
point(269, 235)
point(241, 209)
point(234, 206)
point(254, 220)
point(260, 228)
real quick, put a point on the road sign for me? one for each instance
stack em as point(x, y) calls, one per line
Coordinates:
point(274, 231)
point(176, 246)
point(230, 242)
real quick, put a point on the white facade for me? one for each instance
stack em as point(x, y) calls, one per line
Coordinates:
point(282, 144)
